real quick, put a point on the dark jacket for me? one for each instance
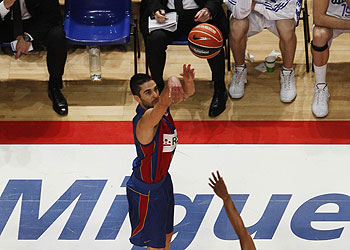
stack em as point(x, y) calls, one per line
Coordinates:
point(45, 15)
point(149, 7)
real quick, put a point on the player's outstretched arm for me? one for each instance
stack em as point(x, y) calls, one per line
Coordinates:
point(188, 76)
point(171, 94)
point(219, 187)
point(323, 20)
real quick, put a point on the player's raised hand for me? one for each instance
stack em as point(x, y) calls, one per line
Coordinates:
point(188, 76)
point(219, 187)
point(187, 73)
point(176, 92)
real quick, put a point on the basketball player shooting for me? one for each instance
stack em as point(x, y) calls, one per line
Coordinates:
point(219, 187)
point(150, 189)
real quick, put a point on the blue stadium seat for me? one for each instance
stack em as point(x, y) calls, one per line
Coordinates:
point(99, 22)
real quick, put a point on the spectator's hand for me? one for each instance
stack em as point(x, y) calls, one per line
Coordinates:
point(160, 16)
point(202, 16)
point(219, 187)
point(8, 3)
point(176, 92)
point(187, 74)
point(22, 47)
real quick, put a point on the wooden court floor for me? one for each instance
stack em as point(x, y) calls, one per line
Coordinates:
point(23, 86)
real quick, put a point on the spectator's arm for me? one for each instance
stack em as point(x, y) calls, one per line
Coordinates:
point(321, 18)
point(154, 5)
point(49, 16)
point(3, 11)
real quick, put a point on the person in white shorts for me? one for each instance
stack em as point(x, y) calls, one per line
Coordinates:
point(251, 17)
point(331, 18)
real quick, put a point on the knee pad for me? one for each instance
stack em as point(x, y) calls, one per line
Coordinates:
point(319, 49)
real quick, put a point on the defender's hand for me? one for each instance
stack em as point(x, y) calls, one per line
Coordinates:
point(202, 16)
point(219, 187)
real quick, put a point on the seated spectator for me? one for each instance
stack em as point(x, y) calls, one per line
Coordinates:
point(36, 21)
point(250, 18)
point(331, 19)
point(191, 13)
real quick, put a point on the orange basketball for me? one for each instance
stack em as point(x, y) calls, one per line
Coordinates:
point(205, 40)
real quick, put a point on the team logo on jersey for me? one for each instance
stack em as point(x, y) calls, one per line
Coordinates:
point(169, 142)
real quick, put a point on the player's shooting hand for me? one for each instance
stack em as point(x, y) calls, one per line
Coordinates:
point(176, 92)
point(160, 16)
point(22, 47)
point(219, 187)
point(202, 16)
point(187, 74)
point(8, 3)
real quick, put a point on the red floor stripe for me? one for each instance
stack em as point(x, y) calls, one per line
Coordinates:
point(190, 132)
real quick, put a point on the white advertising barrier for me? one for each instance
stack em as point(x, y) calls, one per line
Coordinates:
point(71, 196)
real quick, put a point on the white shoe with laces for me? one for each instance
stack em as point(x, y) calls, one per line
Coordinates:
point(320, 103)
point(237, 85)
point(288, 90)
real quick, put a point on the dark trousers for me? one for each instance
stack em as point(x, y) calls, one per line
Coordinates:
point(54, 40)
point(158, 41)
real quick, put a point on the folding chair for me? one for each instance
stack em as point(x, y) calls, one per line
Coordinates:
point(305, 18)
point(100, 22)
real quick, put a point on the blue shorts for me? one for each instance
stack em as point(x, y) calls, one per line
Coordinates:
point(151, 211)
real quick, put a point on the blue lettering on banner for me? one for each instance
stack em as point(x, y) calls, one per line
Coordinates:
point(30, 226)
point(306, 213)
point(86, 193)
point(265, 228)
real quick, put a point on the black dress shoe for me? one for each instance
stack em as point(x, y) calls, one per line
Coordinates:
point(218, 103)
point(59, 103)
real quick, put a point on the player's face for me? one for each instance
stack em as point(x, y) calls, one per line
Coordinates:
point(149, 94)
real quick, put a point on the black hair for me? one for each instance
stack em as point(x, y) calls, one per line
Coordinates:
point(136, 81)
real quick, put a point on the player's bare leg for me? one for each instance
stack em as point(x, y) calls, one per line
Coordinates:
point(167, 243)
point(238, 38)
point(321, 36)
point(168, 240)
point(288, 40)
point(320, 55)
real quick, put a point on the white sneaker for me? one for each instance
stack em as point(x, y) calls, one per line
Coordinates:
point(320, 103)
point(288, 91)
point(236, 87)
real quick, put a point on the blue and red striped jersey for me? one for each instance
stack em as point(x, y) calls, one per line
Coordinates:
point(153, 160)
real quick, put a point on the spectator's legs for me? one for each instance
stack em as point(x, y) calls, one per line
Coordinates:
point(217, 66)
point(156, 44)
point(238, 43)
point(288, 43)
point(321, 36)
point(55, 42)
point(320, 55)
point(238, 38)
point(56, 52)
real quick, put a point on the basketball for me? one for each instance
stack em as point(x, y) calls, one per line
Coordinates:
point(205, 40)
